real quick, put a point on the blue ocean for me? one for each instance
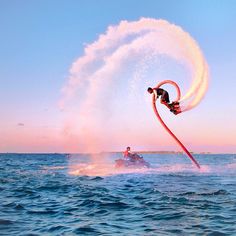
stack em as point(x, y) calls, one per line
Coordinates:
point(56, 194)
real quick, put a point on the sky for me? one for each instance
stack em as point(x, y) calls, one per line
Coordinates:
point(40, 41)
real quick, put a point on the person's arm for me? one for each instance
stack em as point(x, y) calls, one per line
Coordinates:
point(155, 95)
point(126, 154)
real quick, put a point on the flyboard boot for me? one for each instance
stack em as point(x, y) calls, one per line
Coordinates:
point(175, 108)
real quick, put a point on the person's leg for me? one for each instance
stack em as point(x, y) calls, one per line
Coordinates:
point(165, 99)
point(174, 106)
point(165, 103)
point(165, 96)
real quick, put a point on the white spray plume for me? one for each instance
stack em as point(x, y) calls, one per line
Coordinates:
point(105, 97)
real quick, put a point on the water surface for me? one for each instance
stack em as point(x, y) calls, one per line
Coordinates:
point(52, 194)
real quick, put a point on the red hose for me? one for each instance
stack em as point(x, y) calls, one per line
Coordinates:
point(166, 127)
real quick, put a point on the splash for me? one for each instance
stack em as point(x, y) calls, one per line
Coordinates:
point(105, 97)
point(103, 165)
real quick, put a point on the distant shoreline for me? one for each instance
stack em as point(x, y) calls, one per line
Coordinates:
point(115, 152)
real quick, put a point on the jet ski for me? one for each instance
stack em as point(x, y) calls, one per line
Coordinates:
point(134, 161)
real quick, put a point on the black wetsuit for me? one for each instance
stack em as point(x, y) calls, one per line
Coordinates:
point(164, 95)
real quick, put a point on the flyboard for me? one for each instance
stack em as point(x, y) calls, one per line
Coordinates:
point(165, 126)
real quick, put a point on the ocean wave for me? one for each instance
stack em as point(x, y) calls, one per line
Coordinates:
point(216, 192)
point(6, 222)
point(43, 212)
point(155, 201)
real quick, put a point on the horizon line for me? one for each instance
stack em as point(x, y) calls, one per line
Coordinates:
point(103, 152)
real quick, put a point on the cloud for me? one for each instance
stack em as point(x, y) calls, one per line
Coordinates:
point(20, 124)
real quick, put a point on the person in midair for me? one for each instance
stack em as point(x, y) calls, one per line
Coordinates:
point(165, 100)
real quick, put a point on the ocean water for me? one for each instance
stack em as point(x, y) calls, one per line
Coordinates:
point(52, 194)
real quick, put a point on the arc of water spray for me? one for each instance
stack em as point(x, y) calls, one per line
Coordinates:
point(165, 126)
